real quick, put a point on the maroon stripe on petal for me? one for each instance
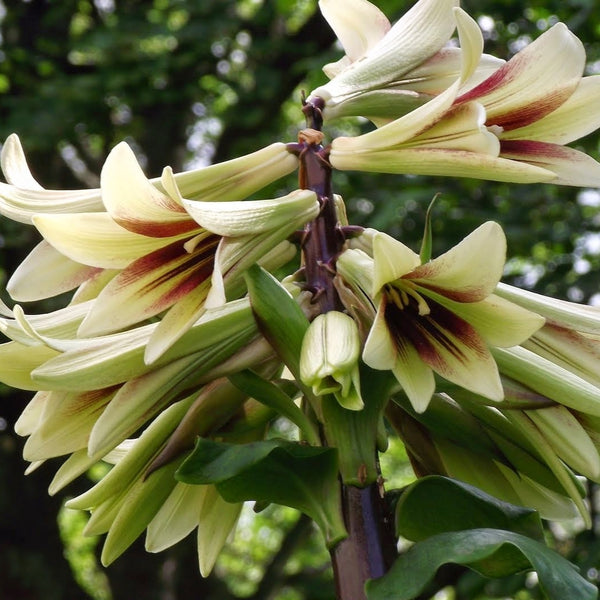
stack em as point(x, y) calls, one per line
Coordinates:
point(177, 271)
point(157, 229)
point(531, 149)
point(435, 334)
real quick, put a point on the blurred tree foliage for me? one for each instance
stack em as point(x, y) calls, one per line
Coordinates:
point(188, 82)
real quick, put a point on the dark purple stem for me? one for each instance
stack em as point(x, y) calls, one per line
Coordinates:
point(370, 547)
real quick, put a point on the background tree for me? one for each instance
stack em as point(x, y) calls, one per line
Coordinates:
point(202, 80)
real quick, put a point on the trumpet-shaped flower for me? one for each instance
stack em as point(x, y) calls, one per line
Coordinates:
point(155, 256)
point(510, 127)
point(442, 315)
point(538, 101)
point(384, 74)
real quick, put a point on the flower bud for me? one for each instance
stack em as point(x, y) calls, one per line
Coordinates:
point(329, 358)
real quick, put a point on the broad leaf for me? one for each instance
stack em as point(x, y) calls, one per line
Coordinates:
point(279, 318)
point(288, 473)
point(435, 504)
point(274, 397)
point(492, 552)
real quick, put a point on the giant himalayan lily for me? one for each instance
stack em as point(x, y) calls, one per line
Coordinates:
point(95, 393)
point(510, 127)
point(538, 101)
point(92, 393)
point(439, 316)
point(147, 255)
point(388, 71)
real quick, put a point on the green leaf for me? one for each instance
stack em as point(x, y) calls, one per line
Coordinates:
point(436, 504)
point(279, 318)
point(427, 243)
point(492, 552)
point(274, 397)
point(288, 473)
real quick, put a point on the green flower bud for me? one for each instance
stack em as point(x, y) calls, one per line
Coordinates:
point(329, 358)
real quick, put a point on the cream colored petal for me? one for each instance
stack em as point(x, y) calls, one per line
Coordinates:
point(45, 273)
point(176, 321)
point(499, 322)
point(399, 131)
point(569, 349)
point(415, 377)
point(380, 351)
point(572, 120)
point(176, 518)
point(134, 203)
point(29, 419)
point(453, 349)
point(66, 423)
point(424, 161)
point(149, 286)
point(253, 216)
point(14, 164)
point(392, 260)
point(94, 239)
point(358, 24)
point(238, 178)
point(570, 166)
point(23, 196)
point(534, 82)
point(134, 404)
point(18, 361)
point(217, 519)
point(470, 271)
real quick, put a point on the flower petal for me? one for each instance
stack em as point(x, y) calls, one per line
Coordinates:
point(392, 260)
point(570, 166)
point(358, 24)
point(499, 322)
point(149, 286)
point(23, 196)
point(453, 163)
point(237, 218)
point(570, 121)
point(176, 518)
point(45, 273)
point(470, 271)
point(66, 423)
point(134, 203)
point(448, 345)
point(94, 239)
point(534, 82)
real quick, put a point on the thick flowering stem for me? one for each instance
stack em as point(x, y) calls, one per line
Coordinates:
point(369, 549)
point(323, 238)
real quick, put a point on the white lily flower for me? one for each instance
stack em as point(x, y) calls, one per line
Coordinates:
point(386, 72)
point(441, 316)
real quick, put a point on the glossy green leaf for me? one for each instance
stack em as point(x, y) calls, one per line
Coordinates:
point(274, 397)
point(436, 504)
point(288, 473)
point(492, 552)
point(279, 318)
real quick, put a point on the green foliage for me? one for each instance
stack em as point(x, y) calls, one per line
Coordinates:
point(438, 504)
point(492, 552)
point(287, 473)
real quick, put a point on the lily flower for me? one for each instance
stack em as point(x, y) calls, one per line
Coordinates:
point(510, 127)
point(384, 73)
point(538, 101)
point(439, 137)
point(440, 316)
point(154, 254)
